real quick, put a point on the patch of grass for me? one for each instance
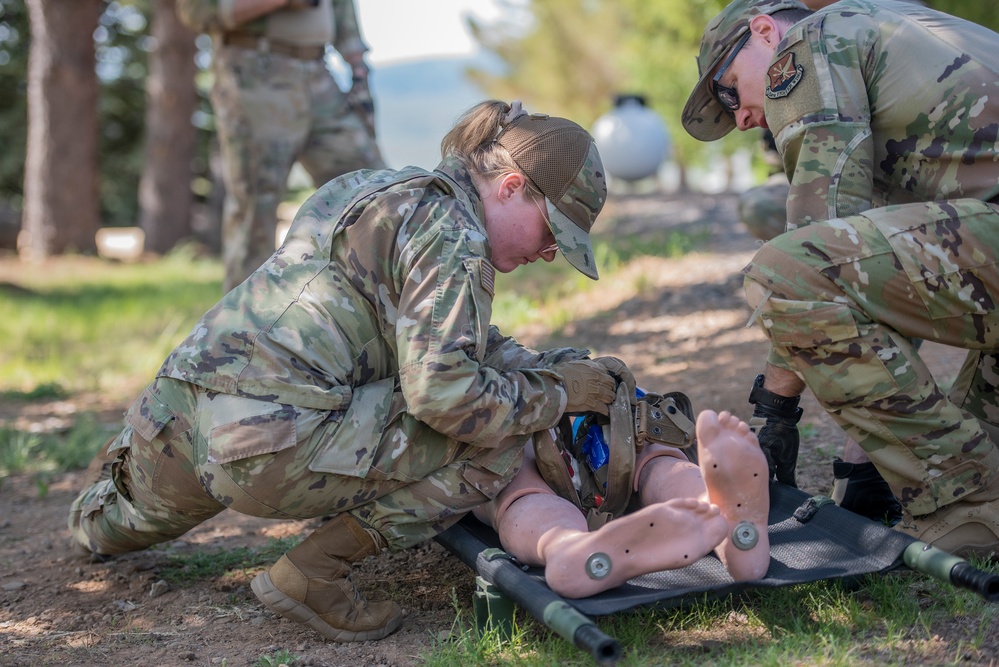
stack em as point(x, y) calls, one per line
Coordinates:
point(194, 567)
point(538, 293)
point(36, 453)
point(101, 324)
point(806, 430)
point(282, 657)
point(880, 620)
point(47, 391)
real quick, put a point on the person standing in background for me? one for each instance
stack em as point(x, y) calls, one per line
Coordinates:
point(276, 103)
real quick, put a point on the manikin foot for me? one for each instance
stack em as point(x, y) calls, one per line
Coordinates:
point(663, 536)
point(736, 475)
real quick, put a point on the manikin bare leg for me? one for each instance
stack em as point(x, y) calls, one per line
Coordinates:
point(677, 526)
point(736, 475)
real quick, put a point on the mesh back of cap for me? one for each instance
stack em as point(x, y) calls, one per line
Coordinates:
point(550, 151)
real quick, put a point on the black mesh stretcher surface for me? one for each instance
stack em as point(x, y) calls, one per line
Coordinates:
point(810, 540)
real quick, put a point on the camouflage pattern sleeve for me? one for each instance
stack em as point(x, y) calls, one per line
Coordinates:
point(442, 337)
point(347, 33)
point(505, 353)
point(822, 124)
point(873, 104)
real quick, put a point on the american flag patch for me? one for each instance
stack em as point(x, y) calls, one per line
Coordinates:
point(487, 277)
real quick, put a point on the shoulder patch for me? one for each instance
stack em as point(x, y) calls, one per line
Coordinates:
point(783, 76)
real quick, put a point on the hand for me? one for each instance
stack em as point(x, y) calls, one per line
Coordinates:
point(620, 372)
point(588, 386)
point(359, 98)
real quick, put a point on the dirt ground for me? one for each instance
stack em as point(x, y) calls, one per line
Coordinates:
point(678, 323)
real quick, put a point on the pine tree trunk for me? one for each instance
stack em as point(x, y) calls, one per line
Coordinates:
point(61, 178)
point(165, 197)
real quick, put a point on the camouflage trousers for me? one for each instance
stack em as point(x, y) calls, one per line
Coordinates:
point(851, 294)
point(272, 110)
point(185, 455)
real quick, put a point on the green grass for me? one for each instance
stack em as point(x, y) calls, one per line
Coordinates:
point(889, 619)
point(191, 568)
point(49, 453)
point(99, 325)
point(538, 293)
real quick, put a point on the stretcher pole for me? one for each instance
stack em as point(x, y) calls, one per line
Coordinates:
point(498, 568)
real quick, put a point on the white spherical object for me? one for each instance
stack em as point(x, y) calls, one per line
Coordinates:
point(632, 139)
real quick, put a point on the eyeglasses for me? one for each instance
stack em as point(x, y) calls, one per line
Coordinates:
point(553, 248)
point(728, 97)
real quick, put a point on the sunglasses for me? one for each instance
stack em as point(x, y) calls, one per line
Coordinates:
point(728, 97)
point(553, 248)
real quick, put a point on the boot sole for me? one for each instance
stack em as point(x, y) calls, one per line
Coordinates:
point(989, 552)
point(293, 610)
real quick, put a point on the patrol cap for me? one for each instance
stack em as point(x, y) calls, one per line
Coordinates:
point(561, 158)
point(703, 116)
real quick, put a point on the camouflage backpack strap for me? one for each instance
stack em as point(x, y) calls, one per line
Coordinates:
point(553, 466)
point(663, 418)
point(620, 468)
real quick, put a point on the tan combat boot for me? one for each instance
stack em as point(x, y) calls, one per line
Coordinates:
point(311, 584)
point(969, 527)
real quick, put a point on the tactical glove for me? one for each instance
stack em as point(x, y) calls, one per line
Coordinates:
point(775, 423)
point(620, 372)
point(860, 488)
point(588, 386)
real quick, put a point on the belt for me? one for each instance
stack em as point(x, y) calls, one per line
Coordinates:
point(264, 45)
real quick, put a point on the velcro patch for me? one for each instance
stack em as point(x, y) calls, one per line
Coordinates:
point(783, 76)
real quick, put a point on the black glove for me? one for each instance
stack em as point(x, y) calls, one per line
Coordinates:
point(775, 423)
point(860, 488)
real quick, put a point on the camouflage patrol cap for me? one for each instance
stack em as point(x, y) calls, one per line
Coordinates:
point(703, 117)
point(561, 158)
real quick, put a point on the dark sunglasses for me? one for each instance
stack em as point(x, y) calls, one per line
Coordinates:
point(728, 97)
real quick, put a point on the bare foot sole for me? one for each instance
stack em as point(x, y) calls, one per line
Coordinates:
point(736, 475)
point(663, 536)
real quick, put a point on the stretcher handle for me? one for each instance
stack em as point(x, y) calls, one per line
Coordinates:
point(941, 565)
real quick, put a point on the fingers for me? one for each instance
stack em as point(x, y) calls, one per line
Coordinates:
point(588, 386)
point(619, 370)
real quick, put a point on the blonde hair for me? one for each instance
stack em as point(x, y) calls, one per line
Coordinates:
point(473, 141)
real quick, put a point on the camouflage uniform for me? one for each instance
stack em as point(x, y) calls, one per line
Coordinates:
point(763, 209)
point(885, 115)
point(356, 370)
point(275, 102)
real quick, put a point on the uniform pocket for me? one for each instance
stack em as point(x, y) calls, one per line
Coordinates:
point(350, 447)
point(147, 416)
point(242, 427)
point(843, 361)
